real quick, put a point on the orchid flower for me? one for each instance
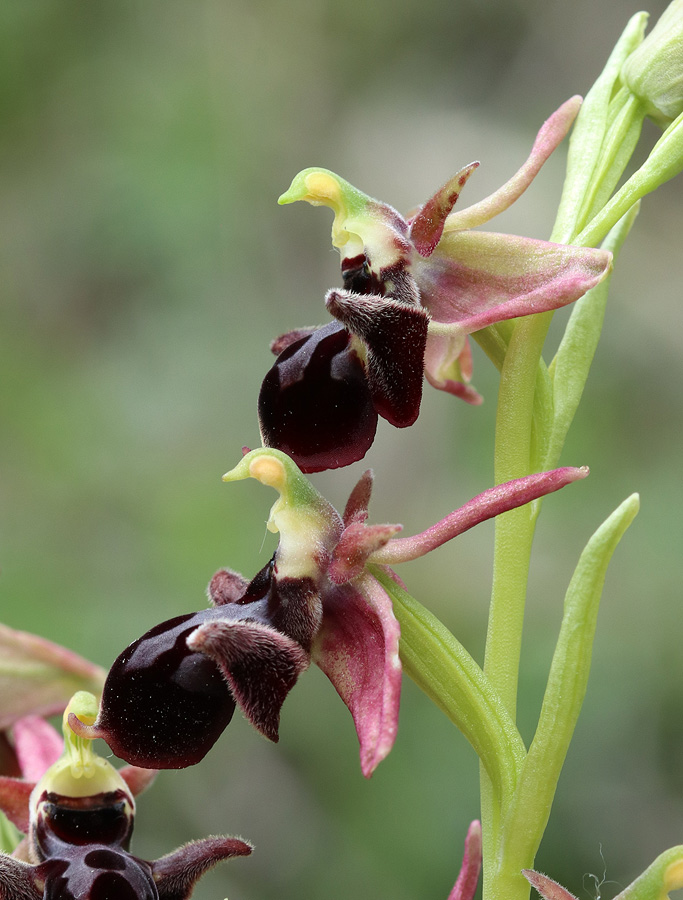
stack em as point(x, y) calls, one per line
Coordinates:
point(171, 693)
point(78, 817)
point(414, 289)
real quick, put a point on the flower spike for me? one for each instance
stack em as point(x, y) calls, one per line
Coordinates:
point(317, 600)
point(414, 289)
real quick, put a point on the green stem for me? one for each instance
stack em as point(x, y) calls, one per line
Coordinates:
point(514, 529)
point(527, 816)
point(513, 540)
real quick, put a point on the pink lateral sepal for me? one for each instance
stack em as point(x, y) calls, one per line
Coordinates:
point(357, 649)
point(490, 503)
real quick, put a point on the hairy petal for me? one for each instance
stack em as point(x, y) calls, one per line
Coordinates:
point(357, 648)
point(226, 586)
point(552, 132)
point(356, 509)
point(490, 503)
point(546, 887)
point(176, 873)
point(476, 278)
point(357, 543)
point(260, 665)
point(396, 336)
point(17, 880)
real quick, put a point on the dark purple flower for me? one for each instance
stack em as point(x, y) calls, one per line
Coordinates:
point(414, 289)
point(316, 600)
point(78, 820)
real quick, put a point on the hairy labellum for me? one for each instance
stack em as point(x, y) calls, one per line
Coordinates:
point(97, 872)
point(169, 695)
point(315, 403)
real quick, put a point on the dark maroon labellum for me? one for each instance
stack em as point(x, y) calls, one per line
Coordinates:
point(163, 705)
point(315, 403)
point(96, 872)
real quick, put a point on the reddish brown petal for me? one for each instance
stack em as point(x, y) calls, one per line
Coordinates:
point(260, 665)
point(226, 586)
point(163, 706)
point(358, 651)
point(490, 503)
point(9, 764)
point(176, 873)
point(546, 887)
point(355, 545)
point(315, 402)
point(396, 337)
point(427, 226)
point(356, 509)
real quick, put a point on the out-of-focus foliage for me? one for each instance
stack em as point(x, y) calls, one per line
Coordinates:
point(145, 266)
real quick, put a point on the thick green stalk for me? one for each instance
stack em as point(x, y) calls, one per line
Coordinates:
point(513, 540)
point(514, 529)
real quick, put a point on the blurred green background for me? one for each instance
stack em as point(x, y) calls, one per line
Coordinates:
point(144, 268)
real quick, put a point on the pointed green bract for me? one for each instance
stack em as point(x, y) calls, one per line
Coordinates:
point(527, 817)
point(571, 365)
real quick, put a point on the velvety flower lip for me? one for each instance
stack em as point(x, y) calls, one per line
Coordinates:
point(78, 818)
point(464, 280)
point(316, 601)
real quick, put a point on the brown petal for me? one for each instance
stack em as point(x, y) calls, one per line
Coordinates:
point(356, 509)
point(260, 665)
point(176, 873)
point(396, 336)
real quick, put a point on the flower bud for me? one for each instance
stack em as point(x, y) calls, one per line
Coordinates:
point(654, 71)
